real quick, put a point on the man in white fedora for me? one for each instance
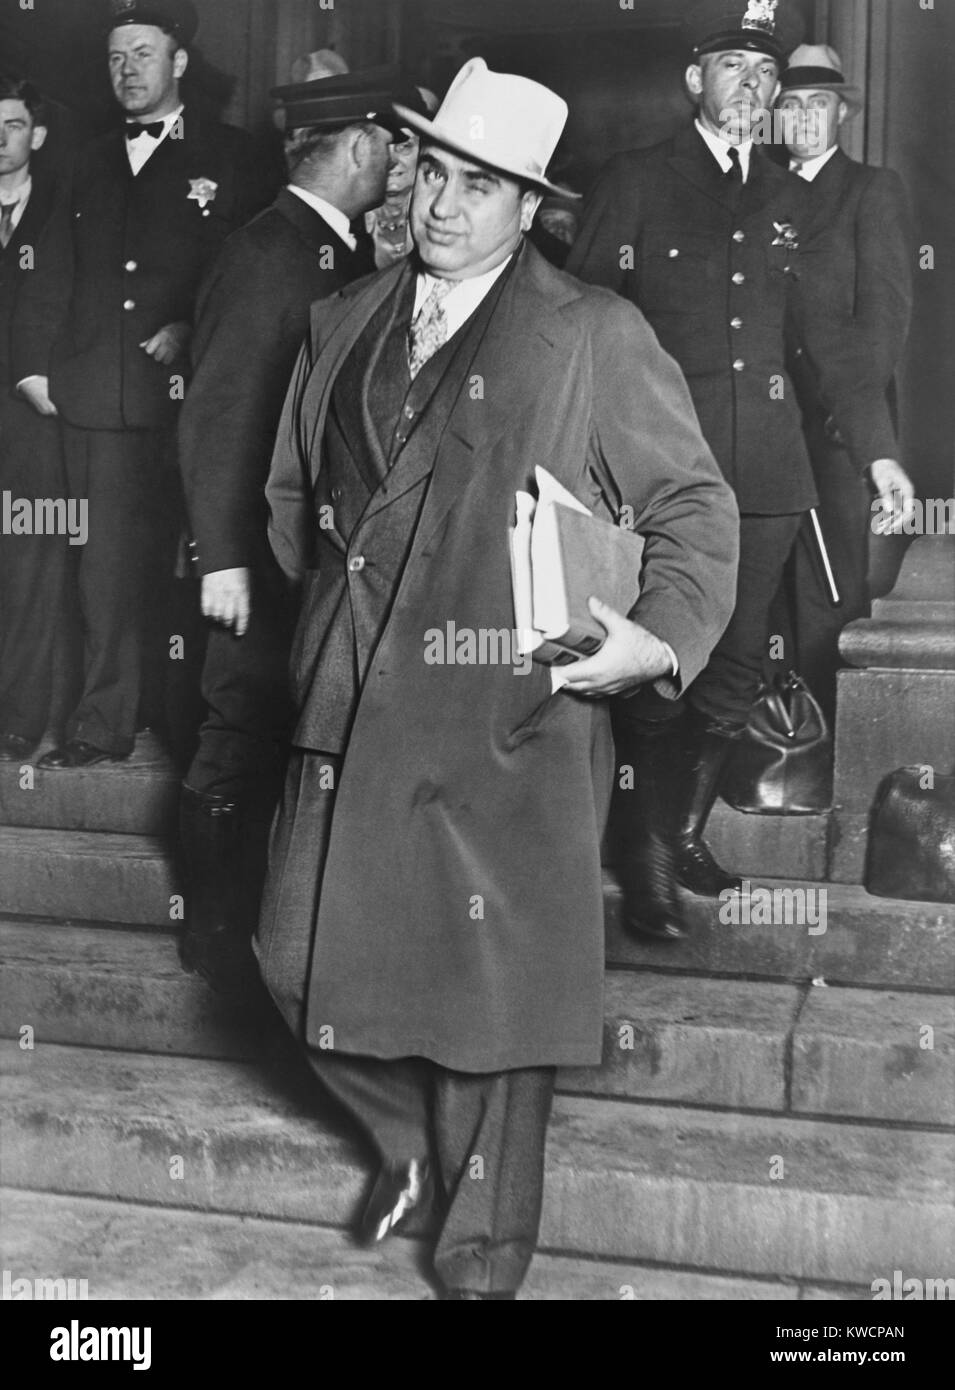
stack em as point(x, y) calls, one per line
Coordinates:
point(432, 929)
point(861, 266)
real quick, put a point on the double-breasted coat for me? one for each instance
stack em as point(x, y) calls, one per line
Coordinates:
point(461, 914)
point(719, 272)
point(124, 256)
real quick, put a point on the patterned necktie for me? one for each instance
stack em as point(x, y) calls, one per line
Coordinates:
point(429, 330)
point(6, 222)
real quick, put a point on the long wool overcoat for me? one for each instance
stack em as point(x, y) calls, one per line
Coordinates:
point(461, 914)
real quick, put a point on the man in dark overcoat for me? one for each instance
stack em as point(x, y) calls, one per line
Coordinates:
point(861, 265)
point(706, 235)
point(32, 566)
point(146, 210)
point(432, 924)
point(252, 318)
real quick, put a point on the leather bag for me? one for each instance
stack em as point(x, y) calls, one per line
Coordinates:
point(782, 764)
point(911, 852)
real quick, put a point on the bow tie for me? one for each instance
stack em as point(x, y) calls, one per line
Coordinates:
point(134, 129)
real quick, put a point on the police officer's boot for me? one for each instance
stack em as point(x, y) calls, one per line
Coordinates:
point(220, 908)
point(642, 825)
point(705, 751)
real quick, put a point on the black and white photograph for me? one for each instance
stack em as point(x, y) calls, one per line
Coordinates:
point(477, 662)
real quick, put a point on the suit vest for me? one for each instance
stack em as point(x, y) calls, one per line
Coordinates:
point(382, 438)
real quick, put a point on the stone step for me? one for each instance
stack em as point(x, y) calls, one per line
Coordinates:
point(204, 1255)
point(86, 876)
point(139, 796)
point(668, 1037)
point(866, 941)
point(98, 877)
point(721, 1042)
point(757, 1195)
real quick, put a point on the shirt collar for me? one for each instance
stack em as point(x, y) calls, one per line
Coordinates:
point(720, 148)
point(19, 196)
point(808, 169)
point(335, 218)
point(465, 296)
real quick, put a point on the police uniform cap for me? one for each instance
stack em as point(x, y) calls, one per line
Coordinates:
point(760, 26)
point(331, 103)
point(175, 17)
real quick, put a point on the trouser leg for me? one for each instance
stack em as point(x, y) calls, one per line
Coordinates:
point(33, 570)
point(490, 1134)
point(129, 485)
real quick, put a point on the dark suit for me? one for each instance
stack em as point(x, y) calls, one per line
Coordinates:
point(860, 264)
point(452, 779)
point(32, 568)
point(708, 264)
point(128, 253)
point(252, 318)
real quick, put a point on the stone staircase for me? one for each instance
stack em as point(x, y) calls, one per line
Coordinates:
point(769, 1122)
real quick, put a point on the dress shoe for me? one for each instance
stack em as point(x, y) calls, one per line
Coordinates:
point(472, 1295)
point(76, 753)
point(13, 748)
point(400, 1189)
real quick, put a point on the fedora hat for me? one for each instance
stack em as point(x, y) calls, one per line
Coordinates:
point(817, 67)
point(508, 123)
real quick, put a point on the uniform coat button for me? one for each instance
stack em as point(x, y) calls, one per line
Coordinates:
point(408, 412)
point(736, 323)
point(673, 251)
point(129, 304)
point(356, 564)
point(738, 365)
point(337, 494)
point(131, 266)
point(739, 236)
point(738, 278)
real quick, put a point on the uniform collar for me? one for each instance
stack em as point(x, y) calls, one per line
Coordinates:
point(720, 149)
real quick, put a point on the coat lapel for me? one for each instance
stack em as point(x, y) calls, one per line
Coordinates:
point(516, 357)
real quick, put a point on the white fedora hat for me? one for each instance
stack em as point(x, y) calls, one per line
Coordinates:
point(817, 67)
point(509, 123)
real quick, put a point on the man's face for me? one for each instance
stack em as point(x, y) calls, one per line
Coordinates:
point(466, 219)
point(811, 121)
point(379, 162)
point(734, 89)
point(19, 137)
point(404, 157)
point(145, 67)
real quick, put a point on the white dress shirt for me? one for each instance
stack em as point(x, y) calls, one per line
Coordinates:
point(335, 218)
point(808, 169)
point(462, 301)
point(19, 197)
point(720, 149)
point(140, 150)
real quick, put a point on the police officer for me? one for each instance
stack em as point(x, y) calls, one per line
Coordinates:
point(148, 207)
point(705, 234)
point(252, 318)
